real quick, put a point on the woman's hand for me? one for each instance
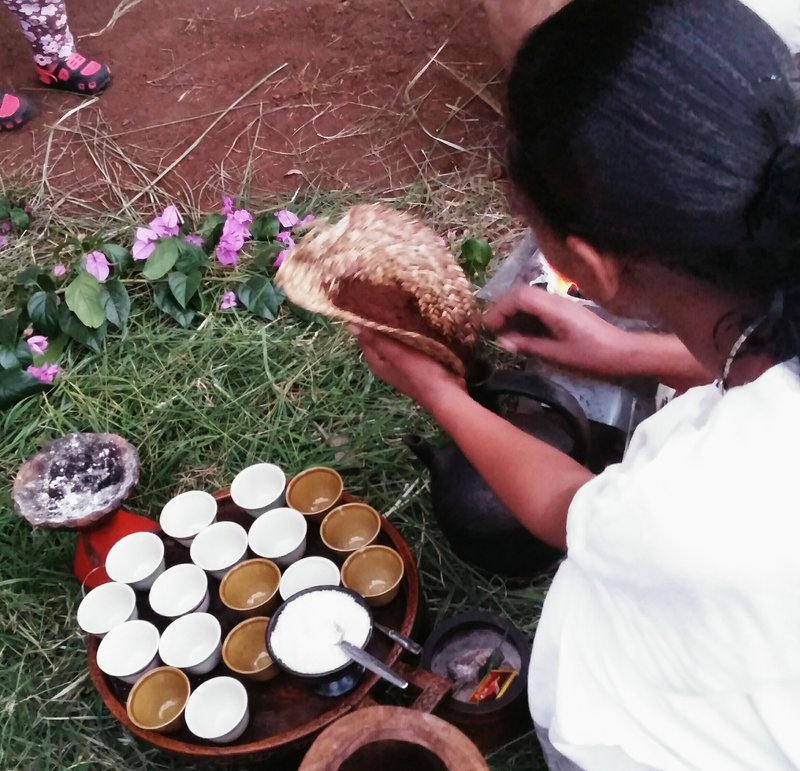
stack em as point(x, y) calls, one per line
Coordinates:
point(409, 371)
point(570, 335)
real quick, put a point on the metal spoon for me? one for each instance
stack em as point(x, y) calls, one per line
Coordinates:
point(368, 661)
point(400, 639)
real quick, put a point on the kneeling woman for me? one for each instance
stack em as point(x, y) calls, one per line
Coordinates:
point(656, 145)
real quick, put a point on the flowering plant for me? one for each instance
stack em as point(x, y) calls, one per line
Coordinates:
point(88, 290)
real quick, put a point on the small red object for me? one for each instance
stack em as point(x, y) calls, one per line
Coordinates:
point(95, 542)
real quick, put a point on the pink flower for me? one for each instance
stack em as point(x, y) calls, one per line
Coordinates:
point(307, 220)
point(227, 206)
point(5, 227)
point(281, 257)
point(144, 245)
point(45, 374)
point(285, 238)
point(286, 218)
point(59, 270)
point(194, 239)
point(237, 223)
point(228, 301)
point(166, 225)
point(226, 256)
point(37, 344)
point(97, 265)
point(242, 216)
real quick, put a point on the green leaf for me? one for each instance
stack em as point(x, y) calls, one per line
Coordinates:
point(307, 316)
point(162, 260)
point(211, 229)
point(19, 219)
point(184, 286)
point(71, 325)
point(16, 385)
point(164, 300)
point(119, 256)
point(264, 254)
point(190, 257)
point(15, 355)
point(116, 302)
point(475, 255)
point(9, 328)
point(265, 227)
point(43, 311)
point(5, 208)
point(84, 300)
point(260, 297)
point(55, 348)
point(29, 277)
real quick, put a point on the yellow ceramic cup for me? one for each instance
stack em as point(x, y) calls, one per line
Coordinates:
point(245, 650)
point(374, 572)
point(157, 701)
point(350, 527)
point(314, 492)
point(251, 587)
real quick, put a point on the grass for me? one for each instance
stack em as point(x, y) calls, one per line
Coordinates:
point(201, 404)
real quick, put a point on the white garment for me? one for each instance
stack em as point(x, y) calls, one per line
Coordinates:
point(670, 638)
point(783, 16)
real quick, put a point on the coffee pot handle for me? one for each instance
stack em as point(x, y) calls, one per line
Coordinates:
point(544, 391)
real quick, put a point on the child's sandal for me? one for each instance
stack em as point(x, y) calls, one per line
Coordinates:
point(76, 73)
point(14, 111)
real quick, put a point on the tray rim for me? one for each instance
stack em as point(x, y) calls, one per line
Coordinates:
point(342, 706)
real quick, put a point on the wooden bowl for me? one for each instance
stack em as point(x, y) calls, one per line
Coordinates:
point(285, 715)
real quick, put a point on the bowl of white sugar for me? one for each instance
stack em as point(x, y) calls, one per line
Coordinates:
point(304, 634)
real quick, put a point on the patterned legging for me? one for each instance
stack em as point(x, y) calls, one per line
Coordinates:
point(44, 24)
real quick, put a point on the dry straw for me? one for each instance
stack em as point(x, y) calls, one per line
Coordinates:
point(392, 252)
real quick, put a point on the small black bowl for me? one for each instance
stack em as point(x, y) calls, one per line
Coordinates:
point(335, 682)
point(492, 723)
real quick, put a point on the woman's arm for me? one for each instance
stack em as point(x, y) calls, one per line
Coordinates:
point(575, 337)
point(535, 482)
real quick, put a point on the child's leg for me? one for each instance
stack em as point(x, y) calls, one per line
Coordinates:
point(44, 24)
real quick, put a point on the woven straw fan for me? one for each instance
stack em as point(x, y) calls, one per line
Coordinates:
point(384, 270)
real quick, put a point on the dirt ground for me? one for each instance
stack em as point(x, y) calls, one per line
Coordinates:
point(359, 93)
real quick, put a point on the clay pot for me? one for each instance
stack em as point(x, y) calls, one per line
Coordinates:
point(480, 529)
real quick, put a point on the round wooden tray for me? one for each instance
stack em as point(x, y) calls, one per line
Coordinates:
point(285, 715)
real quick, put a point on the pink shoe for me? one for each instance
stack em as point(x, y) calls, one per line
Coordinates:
point(14, 111)
point(76, 73)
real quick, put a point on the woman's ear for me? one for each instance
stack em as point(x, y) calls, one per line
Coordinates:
point(597, 274)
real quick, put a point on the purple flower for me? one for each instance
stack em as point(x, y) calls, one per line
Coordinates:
point(166, 225)
point(5, 227)
point(226, 256)
point(144, 245)
point(37, 344)
point(194, 239)
point(45, 374)
point(59, 270)
point(307, 220)
point(286, 218)
point(237, 223)
point(97, 265)
point(281, 257)
point(227, 206)
point(228, 301)
point(285, 238)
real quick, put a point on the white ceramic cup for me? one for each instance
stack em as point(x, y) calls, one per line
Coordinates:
point(192, 643)
point(218, 710)
point(105, 607)
point(219, 547)
point(259, 488)
point(129, 650)
point(307, 573)
point(279, 535)
point(185, 515)
point(136, 560)
point(179, 590)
